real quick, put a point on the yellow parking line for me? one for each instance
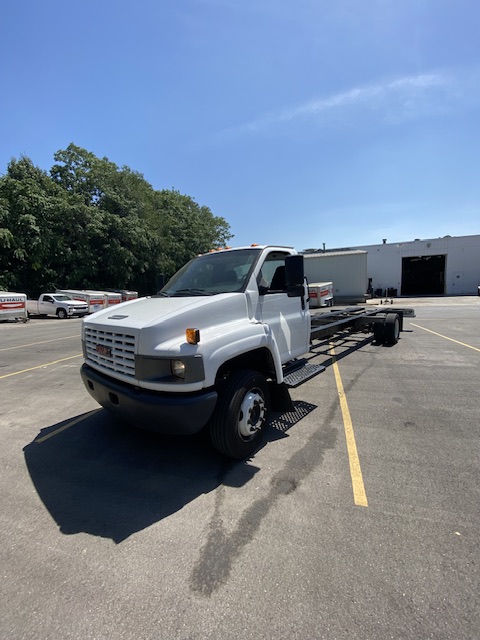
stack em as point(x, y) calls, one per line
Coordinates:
point(464, 344)
point(359, 495)
point(40, 366)
point(32, 344)
point(66, 426)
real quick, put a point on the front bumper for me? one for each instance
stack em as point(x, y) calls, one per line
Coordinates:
point(167, 413)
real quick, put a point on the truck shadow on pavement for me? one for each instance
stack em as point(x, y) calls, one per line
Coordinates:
point(98, 476)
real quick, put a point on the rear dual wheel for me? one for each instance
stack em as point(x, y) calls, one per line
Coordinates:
point(388, 331)
point(240, 417)
point(391, 329)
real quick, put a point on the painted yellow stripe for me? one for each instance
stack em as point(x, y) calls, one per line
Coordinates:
point(359, 495)
point(464, 344)
point(32, 344)
point(66, 426)
point(40, 366)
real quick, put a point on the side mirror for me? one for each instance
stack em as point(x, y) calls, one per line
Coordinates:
point(294, 276)
point(295, 291)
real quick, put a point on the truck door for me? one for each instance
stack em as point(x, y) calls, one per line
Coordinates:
point(288, 321)
point(45, 304)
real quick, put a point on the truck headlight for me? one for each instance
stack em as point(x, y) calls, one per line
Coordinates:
point(181, 370)
point(178, 368)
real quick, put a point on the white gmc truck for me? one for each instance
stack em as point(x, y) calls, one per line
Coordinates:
point(56, 304)
point(217, 347)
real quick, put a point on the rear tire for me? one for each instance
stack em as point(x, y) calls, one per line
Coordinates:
point(378, 332)
point(391, 330)
point(239, 420)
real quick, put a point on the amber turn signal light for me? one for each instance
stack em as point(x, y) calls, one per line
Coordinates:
point(193, 336)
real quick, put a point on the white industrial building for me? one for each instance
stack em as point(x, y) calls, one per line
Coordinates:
point(449, 265)
point(346, 269)
point(438, 266)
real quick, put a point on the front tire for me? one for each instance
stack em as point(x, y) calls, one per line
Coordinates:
point(239, 420)
point(62, 314)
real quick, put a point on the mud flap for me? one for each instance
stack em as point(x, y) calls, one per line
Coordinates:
point(280, 399)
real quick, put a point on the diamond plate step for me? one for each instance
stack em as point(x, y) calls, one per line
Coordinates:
point(300, 375)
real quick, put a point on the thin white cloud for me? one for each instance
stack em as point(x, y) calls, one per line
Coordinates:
point(392, 102)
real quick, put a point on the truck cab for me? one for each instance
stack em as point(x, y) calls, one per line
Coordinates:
point(210, 347)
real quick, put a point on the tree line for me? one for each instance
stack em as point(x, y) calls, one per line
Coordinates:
point(88, 224)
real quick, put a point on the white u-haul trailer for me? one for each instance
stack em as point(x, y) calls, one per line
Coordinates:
point(112, 297)
point(321, 294)
point(125, 294)
point(96, 300)
point(13, 306)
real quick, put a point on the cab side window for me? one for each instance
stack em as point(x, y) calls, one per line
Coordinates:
point(273, 272)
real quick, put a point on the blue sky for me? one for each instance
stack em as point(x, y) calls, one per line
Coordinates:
point(300, 122)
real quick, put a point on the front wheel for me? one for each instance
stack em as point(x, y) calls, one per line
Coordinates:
point(240, 417)
point(62, 314)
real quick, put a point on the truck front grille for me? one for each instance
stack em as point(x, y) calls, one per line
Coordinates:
point(111, 351)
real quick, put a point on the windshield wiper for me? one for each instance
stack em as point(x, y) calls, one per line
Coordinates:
point(160, 294)
point(192, 292)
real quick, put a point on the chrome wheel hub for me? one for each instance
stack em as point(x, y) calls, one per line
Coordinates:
point(252, 414)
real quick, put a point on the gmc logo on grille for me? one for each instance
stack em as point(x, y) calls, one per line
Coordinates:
point(103, 350)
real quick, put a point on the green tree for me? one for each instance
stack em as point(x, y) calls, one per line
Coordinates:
point(32, 205)
point(90, 224)
point(184, 229)
point(119, 202)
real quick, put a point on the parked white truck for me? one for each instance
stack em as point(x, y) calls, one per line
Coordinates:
point(56, 304)
point(219, 345)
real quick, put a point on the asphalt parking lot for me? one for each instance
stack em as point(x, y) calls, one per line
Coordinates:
point(359, 518)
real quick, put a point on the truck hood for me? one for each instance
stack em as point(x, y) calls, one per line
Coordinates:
point(143, 312)
point(165, 319)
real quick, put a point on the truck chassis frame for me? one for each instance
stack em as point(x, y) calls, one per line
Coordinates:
point(385, 324)
point(326, 324)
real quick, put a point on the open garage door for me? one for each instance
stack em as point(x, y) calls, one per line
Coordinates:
point(423, 275)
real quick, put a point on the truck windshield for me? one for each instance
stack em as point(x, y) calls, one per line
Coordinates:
point(213, 273)
point(61, 297)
